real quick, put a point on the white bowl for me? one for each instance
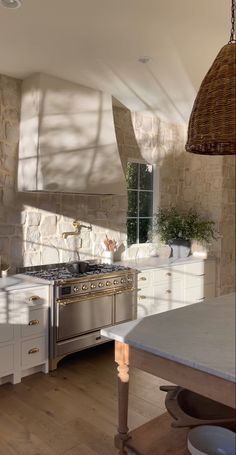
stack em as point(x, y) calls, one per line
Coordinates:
point(211, 440)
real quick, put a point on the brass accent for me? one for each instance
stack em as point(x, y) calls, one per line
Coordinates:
point(60, 283)
point(168, 274)
point(143, 278)
point(77, 299)
point(33, 298)
point(78, 226)
point(33, 351)
point(168, 291)
point(142, 297)
point(34, 322)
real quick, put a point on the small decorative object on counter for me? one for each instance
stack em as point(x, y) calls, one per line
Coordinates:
point(110, 247)
point(4, 270)
point(177, 229)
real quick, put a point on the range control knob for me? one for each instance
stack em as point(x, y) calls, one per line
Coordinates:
point(108, 283)
point(130, 279)
point(84, 287)
point(115, 282)
point(101, 284)
point(93, 286)
point(76, 288)
point(122, 280)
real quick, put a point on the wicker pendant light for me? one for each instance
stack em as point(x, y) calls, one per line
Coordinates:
point(212, 124)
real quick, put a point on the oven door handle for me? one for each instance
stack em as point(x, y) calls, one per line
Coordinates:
point(65, 302)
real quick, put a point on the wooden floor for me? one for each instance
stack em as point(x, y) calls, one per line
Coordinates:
point(73, 411)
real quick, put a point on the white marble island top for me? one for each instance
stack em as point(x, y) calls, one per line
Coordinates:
point(201, 335)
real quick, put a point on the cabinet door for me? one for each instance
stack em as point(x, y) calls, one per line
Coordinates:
point(169, 297)
point(6, 319)
point(6, 359)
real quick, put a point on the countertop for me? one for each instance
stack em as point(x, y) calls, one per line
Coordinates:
point(201, 335)
point(156, 262)
point(18, 282)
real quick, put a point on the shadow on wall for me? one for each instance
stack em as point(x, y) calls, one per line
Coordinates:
point(31, 224)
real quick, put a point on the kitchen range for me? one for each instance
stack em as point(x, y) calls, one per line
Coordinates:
point(86, 297)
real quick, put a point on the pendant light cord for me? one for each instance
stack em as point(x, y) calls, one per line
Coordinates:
point(232, 34)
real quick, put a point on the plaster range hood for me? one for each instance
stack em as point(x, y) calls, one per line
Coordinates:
point(67, 139)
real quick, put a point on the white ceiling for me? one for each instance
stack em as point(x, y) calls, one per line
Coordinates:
point(98, 42)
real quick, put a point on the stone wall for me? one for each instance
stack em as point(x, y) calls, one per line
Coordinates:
point(31, 224)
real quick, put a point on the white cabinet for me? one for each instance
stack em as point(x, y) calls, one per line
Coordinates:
point(23, 332)
point(172, 286)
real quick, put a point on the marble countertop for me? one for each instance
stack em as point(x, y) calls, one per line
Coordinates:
point(156, 262)
point(201, 335)
point(18, 282)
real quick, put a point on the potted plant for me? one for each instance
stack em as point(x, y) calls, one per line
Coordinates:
point(178, 229)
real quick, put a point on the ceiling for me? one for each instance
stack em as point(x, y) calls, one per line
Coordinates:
point(98, 43)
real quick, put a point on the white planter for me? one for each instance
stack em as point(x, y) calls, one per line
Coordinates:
point(108, 257)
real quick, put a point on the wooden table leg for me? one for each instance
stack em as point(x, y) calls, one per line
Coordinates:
point(122, 358)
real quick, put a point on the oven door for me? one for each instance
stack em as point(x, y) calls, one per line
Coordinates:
point(79, 316)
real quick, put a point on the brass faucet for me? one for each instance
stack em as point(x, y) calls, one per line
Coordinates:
point(77, 225)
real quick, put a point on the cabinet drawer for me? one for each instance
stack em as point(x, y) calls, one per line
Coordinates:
point(33, 352)
point(6, 332)
point(167, 275)
point(33, 297)
point(145, 279)
point(35, 323)
point(173, 292)
point(6, 359)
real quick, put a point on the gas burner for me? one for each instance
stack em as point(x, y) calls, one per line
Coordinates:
point(71, 270)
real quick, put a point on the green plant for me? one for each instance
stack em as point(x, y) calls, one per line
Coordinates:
point(170, 224)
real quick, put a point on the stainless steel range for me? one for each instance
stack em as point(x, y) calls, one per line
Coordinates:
point(86, 297)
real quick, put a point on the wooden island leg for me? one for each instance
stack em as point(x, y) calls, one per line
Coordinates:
point(122, 358)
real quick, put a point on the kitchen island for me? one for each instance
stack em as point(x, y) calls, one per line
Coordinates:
point(193, 347)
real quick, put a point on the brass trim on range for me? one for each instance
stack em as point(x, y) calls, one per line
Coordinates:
point(97, 277)
point(76, 299)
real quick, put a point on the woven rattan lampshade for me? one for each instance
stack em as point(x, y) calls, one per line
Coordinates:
point(212, 124)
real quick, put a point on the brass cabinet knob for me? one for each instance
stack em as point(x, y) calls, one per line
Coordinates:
point(168, 273)
point(34, 322)
point(143, 278)
point(33, 351)
point(168, 291)
point(34, 298)
point(142, 297)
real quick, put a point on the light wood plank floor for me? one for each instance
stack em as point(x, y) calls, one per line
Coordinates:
point(73, 411)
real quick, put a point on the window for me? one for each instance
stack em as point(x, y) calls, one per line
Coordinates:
point(140, 183)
